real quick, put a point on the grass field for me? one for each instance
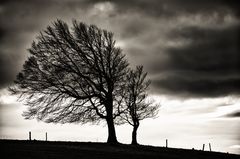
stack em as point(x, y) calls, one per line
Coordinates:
point(21, 149)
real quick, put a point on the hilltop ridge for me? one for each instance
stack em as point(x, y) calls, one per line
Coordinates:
point(23, 149)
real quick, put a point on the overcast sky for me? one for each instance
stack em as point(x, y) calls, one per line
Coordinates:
point(189, 48)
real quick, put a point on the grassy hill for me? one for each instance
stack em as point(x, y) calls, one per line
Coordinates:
point(20, 149)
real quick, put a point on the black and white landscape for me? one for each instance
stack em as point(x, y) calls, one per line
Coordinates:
point(190, 50)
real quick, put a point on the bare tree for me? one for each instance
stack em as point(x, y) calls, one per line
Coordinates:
point(73, 76)
point(138, 107)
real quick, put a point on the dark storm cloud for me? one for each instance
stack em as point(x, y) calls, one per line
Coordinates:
point(210, 50)
point(234, 115)
point(7, 66)
point(208, 65)
point(168, 8)
point(20, 22)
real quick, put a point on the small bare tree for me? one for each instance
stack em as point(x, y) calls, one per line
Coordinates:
point(73, 76)
point(138, 107)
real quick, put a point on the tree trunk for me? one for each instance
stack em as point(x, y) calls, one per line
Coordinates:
point(111, 131)
point(111, 128)
point(134, 135)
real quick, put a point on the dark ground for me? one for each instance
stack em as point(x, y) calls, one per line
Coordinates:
point(21, 149)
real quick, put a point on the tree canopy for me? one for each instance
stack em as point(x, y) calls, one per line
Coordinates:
point(138, 107)
point(73, 75)
point(78, 75)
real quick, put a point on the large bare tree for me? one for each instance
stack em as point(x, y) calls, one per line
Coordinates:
point(137, 106)
point(73, 76)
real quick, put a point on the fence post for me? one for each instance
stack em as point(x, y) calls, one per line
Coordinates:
point(210, 148)
point(29, 135)
point(46, 136)
point(166, 143)
point(203, 147)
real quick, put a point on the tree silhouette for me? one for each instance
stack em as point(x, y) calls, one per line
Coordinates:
point(135, 99)
point(73, 76)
